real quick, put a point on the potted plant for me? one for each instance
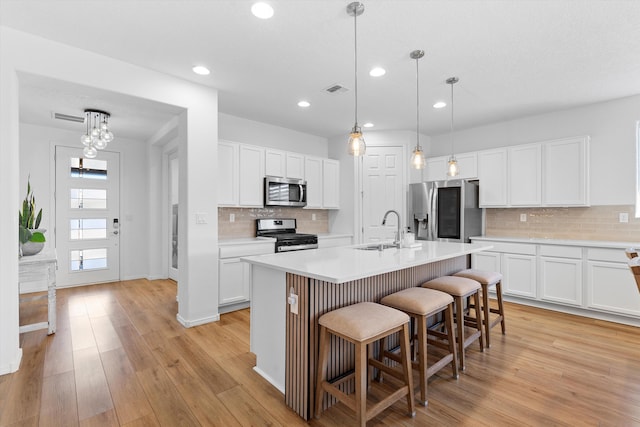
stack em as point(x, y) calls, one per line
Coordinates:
point(31, 237)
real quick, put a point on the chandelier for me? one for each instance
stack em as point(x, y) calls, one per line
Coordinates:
point(98, 135)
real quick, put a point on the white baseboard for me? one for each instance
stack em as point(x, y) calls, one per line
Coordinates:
point(268, 378)
point(191, 323)
point(14, 365)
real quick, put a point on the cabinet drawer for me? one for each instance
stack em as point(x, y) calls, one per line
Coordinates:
point(234, 251)
point(513, 248)
point(612, 255)
point(561, 251)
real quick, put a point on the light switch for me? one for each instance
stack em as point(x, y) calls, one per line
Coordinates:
point(232, 217)
point(313, 217)
point(523, 217)
point(201, 218)
point(623, 217)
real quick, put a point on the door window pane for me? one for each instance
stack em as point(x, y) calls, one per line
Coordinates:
point(88, 259)
point(87, 198)
point(84, 229)
point(88, 168)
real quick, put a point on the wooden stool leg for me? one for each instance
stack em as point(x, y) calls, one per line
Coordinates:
point(361, 383)
point(500, 306)
point(322, 368)
point(448, 313)
point(422, 358)
point(487, 317)
point(381, 356)
point(460, 329)
point(407, 368)
point(476, 298)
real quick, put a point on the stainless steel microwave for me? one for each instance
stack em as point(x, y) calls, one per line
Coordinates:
point(284, 191)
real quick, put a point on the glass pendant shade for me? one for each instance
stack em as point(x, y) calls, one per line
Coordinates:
point(86, 140)
point(417, 159)
point(356, 145)
point(90, 152)
point(452, 168)
point(98, 135)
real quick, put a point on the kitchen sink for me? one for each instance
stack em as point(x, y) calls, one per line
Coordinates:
point(378, 246)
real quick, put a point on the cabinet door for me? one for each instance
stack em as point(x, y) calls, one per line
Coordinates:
point(234, 283)
point(227, 173)
point(313, 176)
point(435, 168)
point(488, 261)
point(611, 287)
point(519, 275)
point(330, 184)
point(524, 171)
point(251, 176)
point(565, 172)
point(561, 280)
point(275, 163)
point(492, 173)
point(295, 166)
point(467, 166)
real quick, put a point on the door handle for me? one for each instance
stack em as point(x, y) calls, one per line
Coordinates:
point(115, 232)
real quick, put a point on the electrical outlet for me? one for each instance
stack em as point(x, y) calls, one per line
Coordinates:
point(623, 217)
point(293, 303)
point(313, 217)
point(523, 217)
point(232, 217)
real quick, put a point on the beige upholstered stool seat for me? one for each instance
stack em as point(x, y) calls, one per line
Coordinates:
point(461, 288)
point(420, 304)
point(363, 324)
point(363, 321)
point(488, 279)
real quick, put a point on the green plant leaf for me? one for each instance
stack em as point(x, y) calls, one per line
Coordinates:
point(38, 219)
point(24, 234)
point(37, 237)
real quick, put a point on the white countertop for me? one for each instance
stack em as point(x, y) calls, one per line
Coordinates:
point(333, 236)
point(580, 243)
point(346, 263)
point(245, 240)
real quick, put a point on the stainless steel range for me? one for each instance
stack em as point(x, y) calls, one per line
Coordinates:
point(284, 231)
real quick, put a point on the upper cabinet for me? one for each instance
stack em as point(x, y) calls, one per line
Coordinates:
point(552, 173)
point(436, 167)
point(242, 168)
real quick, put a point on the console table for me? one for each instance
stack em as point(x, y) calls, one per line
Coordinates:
point(39, 269)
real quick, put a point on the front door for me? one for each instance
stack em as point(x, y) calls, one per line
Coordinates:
point(87, 231)
point(382, 189)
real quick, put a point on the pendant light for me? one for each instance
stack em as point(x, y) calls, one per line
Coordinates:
point(452, 169)
point(417, 158)
point(356, 145)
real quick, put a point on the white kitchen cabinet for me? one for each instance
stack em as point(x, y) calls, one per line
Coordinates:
point(313, 176)
point(251, 176)
point(435, 168)
point(519, 275)
point(492, 173)
point(228, 173)
point(275, 163)
point(561, 274)
point(295, 165)
point(486, 260)
point(610, 284)
point(330, 184)
point(467, 166)
point(565, 172)
point(524, 175)
point(234, 283)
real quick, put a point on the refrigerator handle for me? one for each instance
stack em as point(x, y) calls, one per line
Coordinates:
point(433, 215)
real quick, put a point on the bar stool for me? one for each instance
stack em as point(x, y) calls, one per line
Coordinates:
point(461, 288)
point(363, 324)
point(631, 253)
point(486, 280)
point(420, 304)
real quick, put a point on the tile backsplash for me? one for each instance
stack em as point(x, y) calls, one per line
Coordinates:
point(589, 223)
point(244, 224)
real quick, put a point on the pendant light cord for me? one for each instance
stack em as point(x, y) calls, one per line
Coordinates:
point(417, 107)
point(355, 54)
point(452, 150)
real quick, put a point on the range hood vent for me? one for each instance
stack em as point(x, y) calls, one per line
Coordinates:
point(336, 88)
point(68, 117)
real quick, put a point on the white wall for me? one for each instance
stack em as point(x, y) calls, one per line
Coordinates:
point(198, 130)
point(246, 131)
point(35, 145)
point(611, 126)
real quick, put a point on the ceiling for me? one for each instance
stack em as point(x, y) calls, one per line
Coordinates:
point(514, 58)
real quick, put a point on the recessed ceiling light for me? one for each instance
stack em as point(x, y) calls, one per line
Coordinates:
point(203, 71)
point(367, 125)
point(262, 10)
point(377, 72)
point(304, 104)
point(440, 104)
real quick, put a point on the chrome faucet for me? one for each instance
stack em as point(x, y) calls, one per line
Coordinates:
point(384, 221)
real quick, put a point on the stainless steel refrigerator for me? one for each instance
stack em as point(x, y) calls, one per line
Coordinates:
point(445, 210)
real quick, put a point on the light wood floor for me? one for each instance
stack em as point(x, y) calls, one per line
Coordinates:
point(119, 357)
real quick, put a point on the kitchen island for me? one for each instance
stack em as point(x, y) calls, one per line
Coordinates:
point(290, 291)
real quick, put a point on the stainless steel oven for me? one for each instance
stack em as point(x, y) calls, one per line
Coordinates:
point(285, 191)
point(284, 231)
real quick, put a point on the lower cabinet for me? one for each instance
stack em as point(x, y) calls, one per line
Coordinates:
point(561, 274)
point(329, 241)
point(519, 275)
point(610, 284)
point(234, 284)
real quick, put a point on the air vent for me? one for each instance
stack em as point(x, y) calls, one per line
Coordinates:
point(69, 118)
point(336, 88)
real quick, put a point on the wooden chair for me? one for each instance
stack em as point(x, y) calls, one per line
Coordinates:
point(363, 324)
point(488, 279)
point(461, 288)
point(421, 304)
point(634, 265)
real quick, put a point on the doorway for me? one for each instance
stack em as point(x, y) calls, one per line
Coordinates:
point(173, 207)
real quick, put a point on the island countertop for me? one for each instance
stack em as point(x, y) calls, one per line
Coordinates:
point(347, 263)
